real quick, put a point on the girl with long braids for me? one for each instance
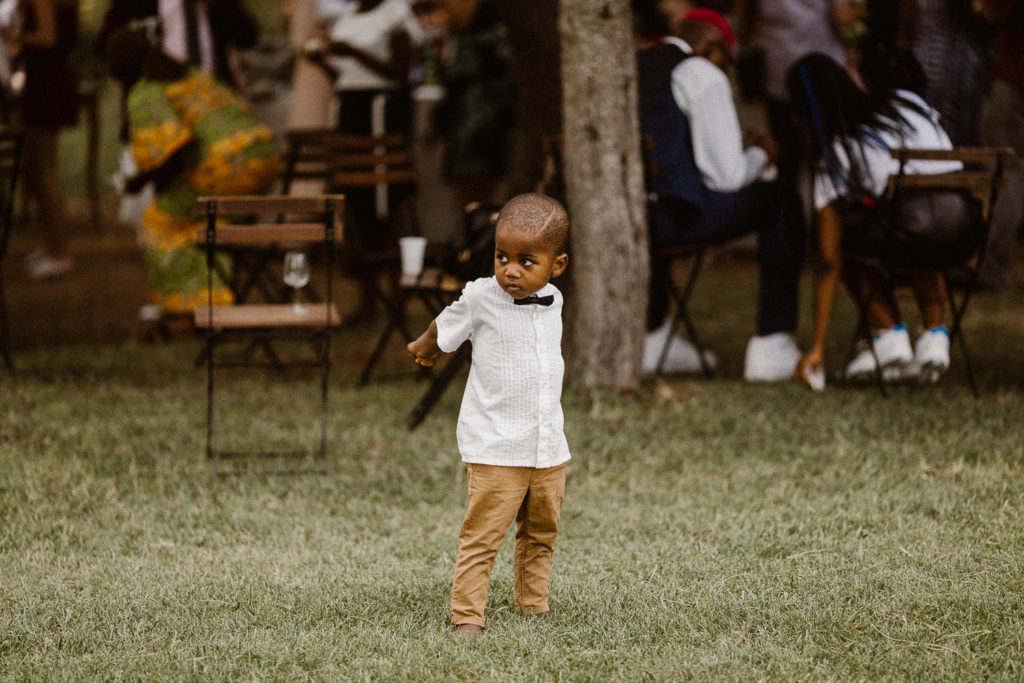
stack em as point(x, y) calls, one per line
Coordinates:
point(849, 133)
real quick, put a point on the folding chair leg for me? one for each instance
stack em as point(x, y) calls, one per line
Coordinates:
point(682, 315)
point(4, 331)
point(396, 322)
point(211, 449)
point(439, 384)
point(863, 308)
point(325, 367)
point(378, 349)
point(956, 331)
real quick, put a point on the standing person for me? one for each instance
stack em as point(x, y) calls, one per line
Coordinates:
point(202, 33)
point(850, 134)
point(49, 103)
point(191, 136)
point(954, 46)
point(477, 115)
point(369, 50)
point(785, 30)
point(712, 188)
point(510, 426)
point(1002, 124)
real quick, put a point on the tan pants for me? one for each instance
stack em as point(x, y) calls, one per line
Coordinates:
point(497, 495)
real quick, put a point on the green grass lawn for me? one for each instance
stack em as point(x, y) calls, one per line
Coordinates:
point(711, 529)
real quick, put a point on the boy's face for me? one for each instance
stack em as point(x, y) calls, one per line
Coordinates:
point(523, 262)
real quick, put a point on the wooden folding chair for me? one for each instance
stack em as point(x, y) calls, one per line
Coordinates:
point(10, 160)
point(982, 178)
point(312, 223)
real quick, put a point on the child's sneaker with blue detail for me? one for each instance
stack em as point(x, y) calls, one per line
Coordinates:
point(892, 347)
point(931, 355)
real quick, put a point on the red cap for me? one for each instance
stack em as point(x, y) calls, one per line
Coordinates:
point(710, 16)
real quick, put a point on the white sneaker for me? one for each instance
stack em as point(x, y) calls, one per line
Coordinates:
point(892, 347)
point(931, 355)
point(45, 266)
point(681, 357)
point(770, 358)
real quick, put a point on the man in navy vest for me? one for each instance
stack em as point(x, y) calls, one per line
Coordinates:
point(711, 188)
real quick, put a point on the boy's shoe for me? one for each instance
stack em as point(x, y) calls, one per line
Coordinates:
point(468, 630)
point(770, 358)
point(931, 355)
point(46, 266)
point(892, 347)
point(681, 357)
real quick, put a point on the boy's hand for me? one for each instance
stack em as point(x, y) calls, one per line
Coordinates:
point(424, 351)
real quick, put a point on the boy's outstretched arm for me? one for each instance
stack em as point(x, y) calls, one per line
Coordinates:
point(425, 349)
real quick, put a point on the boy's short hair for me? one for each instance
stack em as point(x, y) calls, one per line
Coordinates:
point(537, 214)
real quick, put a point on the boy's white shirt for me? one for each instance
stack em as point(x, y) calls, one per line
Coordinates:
point(511, 411)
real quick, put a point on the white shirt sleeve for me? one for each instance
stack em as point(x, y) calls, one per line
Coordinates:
point(455, 322)
point(704, 94)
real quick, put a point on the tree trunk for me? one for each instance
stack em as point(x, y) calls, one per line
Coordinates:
point(605, 320)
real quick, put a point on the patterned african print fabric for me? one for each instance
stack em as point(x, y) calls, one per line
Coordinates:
point(207, 142)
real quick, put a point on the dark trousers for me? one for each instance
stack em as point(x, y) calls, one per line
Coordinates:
point(722, 217)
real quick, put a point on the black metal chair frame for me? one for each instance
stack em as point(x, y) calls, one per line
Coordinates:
point(986, 184)
point(10, 163)
point(680, 290)
point(258, 324)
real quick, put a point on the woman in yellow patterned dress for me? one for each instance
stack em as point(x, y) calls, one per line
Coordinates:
point(192, 136)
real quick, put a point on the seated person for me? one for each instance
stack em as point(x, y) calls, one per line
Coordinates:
point(712, 189)
point(850, 133)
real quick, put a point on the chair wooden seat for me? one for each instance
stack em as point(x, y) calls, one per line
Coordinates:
point(267, 316)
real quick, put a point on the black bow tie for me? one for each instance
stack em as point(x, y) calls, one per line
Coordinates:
point(534, 299)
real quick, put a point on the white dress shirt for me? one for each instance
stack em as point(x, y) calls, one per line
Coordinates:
point(175, 32)
point(370, 32)
point(511, 411)
point(703, 92)
point(919, 132)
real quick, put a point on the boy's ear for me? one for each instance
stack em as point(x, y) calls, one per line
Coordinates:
point(558, 267)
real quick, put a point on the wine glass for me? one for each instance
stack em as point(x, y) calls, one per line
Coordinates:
point(296, 275)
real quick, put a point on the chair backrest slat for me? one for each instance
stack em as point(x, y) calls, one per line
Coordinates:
point(342, 160)
point(274, 204)
point(968, 155)
point(252, 234)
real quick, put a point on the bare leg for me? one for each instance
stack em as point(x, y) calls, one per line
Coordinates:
point(930, 292)
point(864, 282)
point(41, 174)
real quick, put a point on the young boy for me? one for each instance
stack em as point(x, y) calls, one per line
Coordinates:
point(510, 425)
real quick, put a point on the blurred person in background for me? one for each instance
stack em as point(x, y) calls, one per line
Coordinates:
point(49, 102)
point(477, 115)
point(368, 51)
point(713, 186)
point(191, 135)
point(1002, 124)
point(954, 45)
point(850, 133)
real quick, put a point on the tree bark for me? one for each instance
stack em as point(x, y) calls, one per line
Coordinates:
point(609, 258)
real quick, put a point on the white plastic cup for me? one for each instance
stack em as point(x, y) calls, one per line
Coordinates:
point(412, 250)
